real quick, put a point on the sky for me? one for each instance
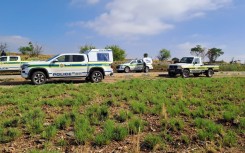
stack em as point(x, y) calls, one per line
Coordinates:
point(137, 26)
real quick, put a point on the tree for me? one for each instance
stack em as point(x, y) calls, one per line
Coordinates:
point(31, 49)
point(198, 51)
point(213, 54)
point(164, 54)
point(175, 59)
point(145, 55)
point(118, 53)
point(3, 47)
point(86, 47)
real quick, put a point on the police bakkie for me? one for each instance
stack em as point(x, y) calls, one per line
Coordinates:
point(94, 65)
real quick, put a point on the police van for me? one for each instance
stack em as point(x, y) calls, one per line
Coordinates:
point(10, 63)
point(94, 65)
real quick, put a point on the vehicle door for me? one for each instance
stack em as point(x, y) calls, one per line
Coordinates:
point(133, 65)
point(139, 66)
point(61, 66)
point(3, 63)
point(78, 66)
point(197, 65)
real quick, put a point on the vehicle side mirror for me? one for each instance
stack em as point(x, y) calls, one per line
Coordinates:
point(195, 62)
point(55, 60)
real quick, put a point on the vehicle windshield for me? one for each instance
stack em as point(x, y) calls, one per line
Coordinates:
point(50, 59)
point(186, 60)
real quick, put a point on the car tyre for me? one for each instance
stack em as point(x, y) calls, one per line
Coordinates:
point(96, 77)
point(126, 69)
point(38, 78)
point(209, 73)
point(186, 73)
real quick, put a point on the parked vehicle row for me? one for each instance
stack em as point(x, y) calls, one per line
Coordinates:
point(95, 64)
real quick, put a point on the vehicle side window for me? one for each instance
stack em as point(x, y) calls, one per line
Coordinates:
point(78, 58)
point(197, 61)
point(133, 62)
point(64, 58)
point(139, 61)
point(13, 58)
point(103, 56)
point(3, 59)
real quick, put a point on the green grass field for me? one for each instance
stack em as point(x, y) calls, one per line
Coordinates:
point(139, 115)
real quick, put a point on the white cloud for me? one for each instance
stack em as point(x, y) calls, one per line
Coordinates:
point(127, 18)
point(14, 42)
point(80, 2)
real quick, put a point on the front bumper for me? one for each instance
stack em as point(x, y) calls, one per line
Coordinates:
point(175, 71)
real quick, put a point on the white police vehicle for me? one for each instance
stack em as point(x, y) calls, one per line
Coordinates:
point(10, 63)
point(93, 65)
point(136, 65)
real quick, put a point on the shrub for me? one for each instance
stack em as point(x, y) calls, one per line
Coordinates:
point(230, 139)
point(13, 122)
point(63, 121)
point(49, 132)
point(138, 107)
point(185, 139)
point(83, 130)
point(176, 124)
point(8, 135)
point(151, 141)
point(229, 116)
point(119, 133)
point(97, 113)
point(34, 120)
point(123, 115)
point(135, 125)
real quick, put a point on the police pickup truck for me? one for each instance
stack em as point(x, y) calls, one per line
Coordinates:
point(135, 65)
point(10, 63)
point(93, 65)
point(191, 65)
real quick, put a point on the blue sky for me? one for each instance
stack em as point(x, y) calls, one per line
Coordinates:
point(137, 26)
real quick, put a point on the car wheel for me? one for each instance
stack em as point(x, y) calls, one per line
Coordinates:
point(127, 70)
point(38, 78)
point(209, 73)
point(96, 76)
point(186, 73)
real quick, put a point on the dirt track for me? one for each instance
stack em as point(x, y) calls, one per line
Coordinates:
point(13, 80)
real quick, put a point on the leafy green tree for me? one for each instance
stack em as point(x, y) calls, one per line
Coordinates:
point(164, 54)
point(145, 55)
point(31, 49)
point(198, 51)
point(118, 53)
point(26, 49)
point(213, 54)
point(86, 47)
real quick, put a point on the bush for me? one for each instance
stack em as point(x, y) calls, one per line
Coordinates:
point(230, 139)
point(63, 121)
point(138, 107)
point(83, 130)
point(120, 133)
point(176, 124)
point(123, 115)
point(8, 135)
point(49, 132)
point(151, 141)
point(135, 125)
